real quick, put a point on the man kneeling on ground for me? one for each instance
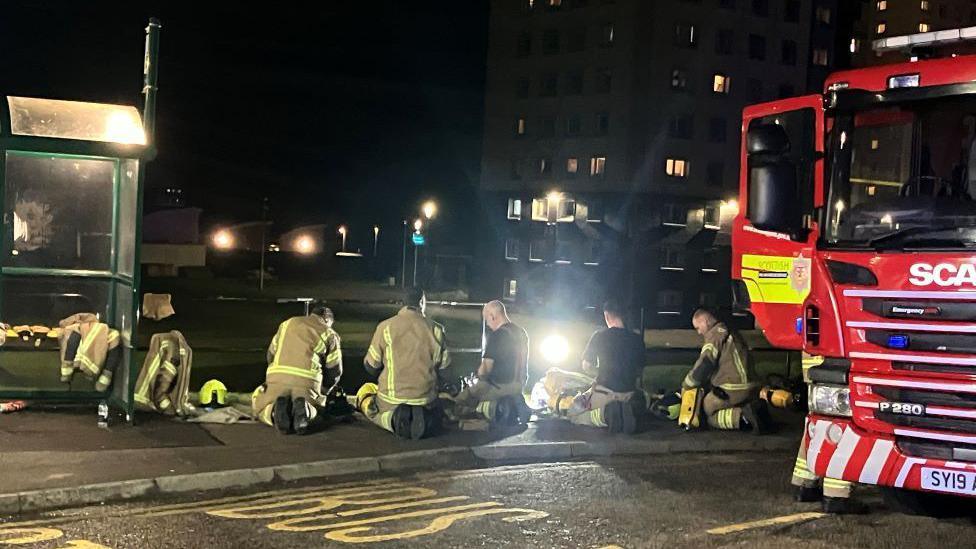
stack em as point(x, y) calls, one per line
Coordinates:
point(724, 370)
point(497, 393)
point(405, 355)
point(615, 356)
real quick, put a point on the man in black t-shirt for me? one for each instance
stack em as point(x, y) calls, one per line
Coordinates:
point(497, 394)
point(615, 356)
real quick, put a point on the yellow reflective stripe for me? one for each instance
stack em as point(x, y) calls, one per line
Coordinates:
point(386, 421)
point(836, 483)
point(86, 343)
point(709, 348)
point(87, 364)
point(410, 401)
point(281, 338)
point(596, 417)
point(738, 360)
point(141, 399)
point(293, 371)
point(168, 366)
point(374, 354)
point(439, 338)
point(105, 378)
point(737, 386)
point(484, 408)
point(164, 404)
point(690, 381)
point(390, 368)
point(803, 473)
point(150, 376)
point(113, 336)
point(334, 356)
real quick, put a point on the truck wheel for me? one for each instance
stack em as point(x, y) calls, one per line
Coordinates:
point(926, 503)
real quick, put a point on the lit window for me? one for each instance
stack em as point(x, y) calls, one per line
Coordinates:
point(823, 15)
point(676, 167)
point(874, 144)
point(520, 126)
point(555, 3)
point(572, 165)
point(512, 249)
point(881, 28)
point(872, 190)
point(511, 289)
point(721, 83)
point(514, 208)
point(923, 27)
point(598, 165)
point(855, 45)
point(540, 209)
point(882, 5)
point(925, 5)
point(820, 57)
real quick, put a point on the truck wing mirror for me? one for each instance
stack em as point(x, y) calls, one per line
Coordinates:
point(773, 195)
point(768, 139)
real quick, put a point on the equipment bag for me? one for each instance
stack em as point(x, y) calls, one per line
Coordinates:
point(691, 407)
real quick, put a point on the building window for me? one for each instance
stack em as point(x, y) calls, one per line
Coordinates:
point(717, 129)
point(925, 5)
point(714, 174)
point(512, 249)
point(820, 57)
point(547, 127)
point(682, 126)
point(672, 259)
point(789, 52)
point(669, 302)
point(755, 89)
point(577, 40)
point(881, 28)
point(511, 289)
point(710, 261)
point(524, 46)
point(607, 37)
point(602, 123)
point(520, 126)
point(855, 45)
point(712, 217)
point(786, 90)
point(540, 209)
point(555, 3)
point(724, 41)
point(757, 47)
point(574, 83)
point(550, 41)
point(707, 299)
point(594, 249)
point(522, 88)
point(549, 86)
point(721, 83)
point(674, 215)
point(676, 167)
point(882, 5)
point(604, 80)
point(537, 251)
point(679, 79)
point(760, 7)
point(514, 209)
point(792, 11)
point(598, 165)
point(572, 165)
point(516, 169)
point(566, 210)
point(564, 253)
point(545, 166)
point(823, 15)
point(685, 36)
point(528, 5)
point(594, 211)
point(923, 27)
point(573, 125)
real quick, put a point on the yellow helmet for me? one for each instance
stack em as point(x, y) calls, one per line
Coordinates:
point(211, 389)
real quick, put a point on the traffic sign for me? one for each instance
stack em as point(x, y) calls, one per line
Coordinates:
point(418, 239)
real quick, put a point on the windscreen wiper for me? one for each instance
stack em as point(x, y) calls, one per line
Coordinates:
point(895, 239)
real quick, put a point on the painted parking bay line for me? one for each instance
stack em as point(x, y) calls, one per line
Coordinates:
point(765, 523)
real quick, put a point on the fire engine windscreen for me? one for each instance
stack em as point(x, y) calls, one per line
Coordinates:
point(904, 176)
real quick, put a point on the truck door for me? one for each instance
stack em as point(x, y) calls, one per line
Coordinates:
point(774, 234)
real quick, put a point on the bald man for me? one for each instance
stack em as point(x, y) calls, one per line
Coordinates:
point(497, 394)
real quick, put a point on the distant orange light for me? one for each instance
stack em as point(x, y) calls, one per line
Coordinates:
point(305, 245)
point(223, 240)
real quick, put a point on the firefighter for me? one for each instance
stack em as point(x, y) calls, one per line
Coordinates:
point(833, 494)
point(497, 393)
point(615, 357)
point(303, 359)
point(405, 355)
point(724, 370)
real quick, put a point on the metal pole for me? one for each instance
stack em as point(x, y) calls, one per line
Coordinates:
point(150, 71)
point(403, 258)
point(343, 241)
point(264, 245)
point(376, 239)
point(415, 265)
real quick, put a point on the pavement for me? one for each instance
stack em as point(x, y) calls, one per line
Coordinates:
point(62, 458)
point(699, 500)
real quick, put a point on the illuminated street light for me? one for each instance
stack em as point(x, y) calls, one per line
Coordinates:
point(376, 238)
point(430, 209)
point(343, 231)
point(417, 225)
point(304, 244)
point(732, 206)
point(223, 240)
point(555, 349)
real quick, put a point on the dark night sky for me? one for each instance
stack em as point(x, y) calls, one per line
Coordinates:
point(348, 111)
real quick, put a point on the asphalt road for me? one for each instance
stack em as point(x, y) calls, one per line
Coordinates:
point(670, 502)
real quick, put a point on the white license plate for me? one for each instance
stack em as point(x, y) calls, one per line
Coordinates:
point(951, 481)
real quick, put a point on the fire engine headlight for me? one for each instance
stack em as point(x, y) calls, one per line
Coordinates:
point(555, 349)
point(831, 400)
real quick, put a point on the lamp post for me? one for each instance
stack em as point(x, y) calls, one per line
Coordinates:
point(417, 226)
point(376, 238)
point(343, 231)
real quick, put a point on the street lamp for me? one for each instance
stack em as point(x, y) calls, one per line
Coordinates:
point(376, 238)
point(342, 231)
point(417, 225)
point(223, 240)
point(430, 209)
point(304, 244)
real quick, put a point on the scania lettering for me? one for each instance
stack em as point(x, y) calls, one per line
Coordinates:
point(943, 274)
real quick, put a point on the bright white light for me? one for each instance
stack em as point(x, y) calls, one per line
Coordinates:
point(555, 349)
point(731, 206)
point(886, 219)
point(417, 225)
point(376, 230)
point(553, 197)
point(839, 206)
point(342, 230)
point(223, 240)
point(430, 209)
point(122, 128)
point(304, 244)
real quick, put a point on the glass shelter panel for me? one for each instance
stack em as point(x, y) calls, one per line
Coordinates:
point(124, 320)
point(60, 212)
point(128, 213)
point(75, 120)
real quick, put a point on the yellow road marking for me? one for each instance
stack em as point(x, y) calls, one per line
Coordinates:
point(326, 503)
point(287, 525)
point(394, 506)
point(28, 535)
point(776, 521)
point(438, 524)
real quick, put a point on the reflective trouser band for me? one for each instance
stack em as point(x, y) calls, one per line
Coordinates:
point(333, 357)
point(168, 366)
point(66, 370)
point(374, 354)
point(801, 471)
point(390, 366)
point(265, 415)
point(410, 401)
point(104, 381)
point(726, 419)
point(87, 364)
point(164, 404)
point(142, 399)
point(738, 386)
point(385, 420)
point(150, 378)
point(596, 417)
point(486, 409)
point(293, 371)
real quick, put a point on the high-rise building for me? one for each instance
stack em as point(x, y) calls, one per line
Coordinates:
point(887, 18)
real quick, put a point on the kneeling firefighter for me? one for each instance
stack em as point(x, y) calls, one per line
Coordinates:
point(405, 355)
point(304, 357)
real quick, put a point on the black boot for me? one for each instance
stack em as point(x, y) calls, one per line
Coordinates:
point(281, 415)
point(628, 413)
point(808, 494)
point(613, 417)
point(506, 413)
point(418, 423)
point(756, 417)
point(300, 417)
point(402, 420)
point(842, 506)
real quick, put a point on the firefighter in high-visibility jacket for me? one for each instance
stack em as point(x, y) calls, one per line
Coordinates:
point(304, 367)
point(405, 355)
point(833, 493)
point(725, 371)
